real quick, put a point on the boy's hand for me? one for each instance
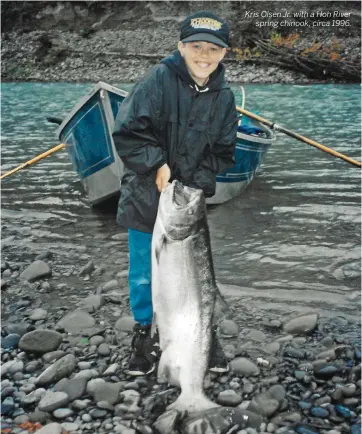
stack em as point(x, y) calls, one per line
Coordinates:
point(162, 177)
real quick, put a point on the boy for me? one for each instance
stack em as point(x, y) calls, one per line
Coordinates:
point(180, 123)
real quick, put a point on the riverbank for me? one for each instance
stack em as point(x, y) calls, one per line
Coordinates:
point(119, 41)
point(73, 58)
point(65, 353)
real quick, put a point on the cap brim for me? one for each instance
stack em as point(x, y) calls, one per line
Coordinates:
point(207, 37)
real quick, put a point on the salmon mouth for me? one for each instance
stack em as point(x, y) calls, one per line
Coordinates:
point(182, 196)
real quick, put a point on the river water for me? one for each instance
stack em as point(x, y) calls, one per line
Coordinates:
point(290, 243)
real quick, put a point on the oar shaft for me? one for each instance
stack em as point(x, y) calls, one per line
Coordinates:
point(301, 138)
point(34, 160)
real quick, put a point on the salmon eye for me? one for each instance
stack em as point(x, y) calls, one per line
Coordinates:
point(190, 212)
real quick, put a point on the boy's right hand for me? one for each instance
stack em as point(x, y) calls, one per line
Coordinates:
point(162, 177)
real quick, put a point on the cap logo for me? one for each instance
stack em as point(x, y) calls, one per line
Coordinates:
point(205, 23)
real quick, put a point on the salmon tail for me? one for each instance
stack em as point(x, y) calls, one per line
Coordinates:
point(192, 403)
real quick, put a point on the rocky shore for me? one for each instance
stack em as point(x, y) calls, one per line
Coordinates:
point(64, 355)
point(104, 56)
point(119, 41)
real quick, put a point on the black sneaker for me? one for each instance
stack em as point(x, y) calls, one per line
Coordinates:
point(143, 357)
point(218, 362)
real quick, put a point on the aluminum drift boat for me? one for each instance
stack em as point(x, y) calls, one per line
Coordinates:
point(87, 133)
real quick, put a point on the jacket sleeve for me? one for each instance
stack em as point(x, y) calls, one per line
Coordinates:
point(220, 156)
point(134, 136)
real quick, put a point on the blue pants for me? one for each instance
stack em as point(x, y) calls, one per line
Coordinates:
point(139, 276)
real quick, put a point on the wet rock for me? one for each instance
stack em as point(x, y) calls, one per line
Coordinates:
point(304, 429)
point(107, 392)
point(112, 284)
point(264, 405)
point(52, 356)
point(92, 303)
point(302, 325)
point(77, 321)
point(70, 426)
point(37, 270)
point(111, 370)
point(39, 416)
point(243, 366)
point(272, 347)
point(327, 342)
point(256, 335)
point(52, 428)
point(87, 269)
point(104, 350)
point(125, 324)
point(74, 387)
point(38, 314)
point(319, 412)
point(60, 369)
point(326, 370)
point(18, 366)
point(343, 411)
point(53, 400)
point(62, 413)
point(229, 398)
point(7, 406)
point(40, 341)
point(10, 341)
point(79, 404)
point(228, 328)
point(19, 328)
point(96, 340)
point(97, 413)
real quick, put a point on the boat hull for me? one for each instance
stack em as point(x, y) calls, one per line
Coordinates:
point(87, 134)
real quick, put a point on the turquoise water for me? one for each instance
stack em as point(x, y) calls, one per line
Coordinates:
point(293, 237)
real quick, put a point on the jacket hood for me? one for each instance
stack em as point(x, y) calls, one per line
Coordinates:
point(177, 64)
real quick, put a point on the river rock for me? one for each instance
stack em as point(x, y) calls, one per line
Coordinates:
point(96, 340)
point(51, 428)
point(52, 356)
point(18, 366)
point(87, 269)
point(104, 350)
point(107, 392)
point(92, 303)
point(77, 321)
point(37, 270)
point(228, 328)
point(70, 426)
point(53, 400)
point(10, 341)
point(301, 325)
point(38, 314)
point(40, 341)
point(229, 398)
point(73, 387)
point(58, 370)
point(125, 324)
point(62, 413)
point(93, 385)
point(243, 366)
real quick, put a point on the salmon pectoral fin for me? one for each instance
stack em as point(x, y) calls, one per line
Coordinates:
point(159, 246)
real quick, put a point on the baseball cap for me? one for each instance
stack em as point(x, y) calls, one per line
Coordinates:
point(205, 26)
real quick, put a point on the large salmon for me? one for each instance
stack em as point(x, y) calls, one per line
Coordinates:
point(183, 293)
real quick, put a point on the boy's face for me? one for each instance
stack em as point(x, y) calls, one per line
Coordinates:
point(201, 58)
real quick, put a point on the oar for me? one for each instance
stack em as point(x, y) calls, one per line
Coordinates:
point(34, 160)
point(299, 137)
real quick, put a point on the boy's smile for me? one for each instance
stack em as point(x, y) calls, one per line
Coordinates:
point(201, 58)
